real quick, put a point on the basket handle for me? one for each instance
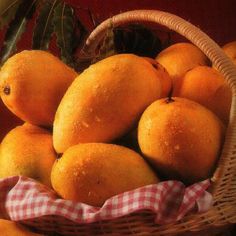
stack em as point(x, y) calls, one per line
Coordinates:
point(210, 48)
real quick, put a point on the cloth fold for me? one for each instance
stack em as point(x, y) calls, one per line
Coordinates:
point(22, 198)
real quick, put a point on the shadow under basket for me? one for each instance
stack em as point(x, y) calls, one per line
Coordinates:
point(223, 187)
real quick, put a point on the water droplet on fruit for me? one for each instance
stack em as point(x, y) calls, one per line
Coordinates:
point(97, 119)
point(166, 143)
point(76, 127)
point(177, 147)
point(76, 174)
point(85, 124)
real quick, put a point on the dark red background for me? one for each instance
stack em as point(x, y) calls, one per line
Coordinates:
point(215, 17)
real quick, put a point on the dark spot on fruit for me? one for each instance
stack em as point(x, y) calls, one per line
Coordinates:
point(7, 90)
point(59, 155)
point(169, 100)
point(155, 66)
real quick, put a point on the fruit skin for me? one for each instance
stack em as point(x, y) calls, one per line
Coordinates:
point(93, 172)
point(27, 150)
point(208, 87)
point(105, 101)
point(178, 58)
point(230, 50)
point(11, 228)
point(163, 76)
point(181, 139)
point(32, 84)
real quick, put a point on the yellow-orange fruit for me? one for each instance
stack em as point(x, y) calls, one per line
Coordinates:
point(208, 87)
point(181, 138)
point(93, 172)
point(27, 150)
point(32, 84)
point(105, 101)
point(230, 50)
point(163, 76)
point(178, 58)
point(11, 228)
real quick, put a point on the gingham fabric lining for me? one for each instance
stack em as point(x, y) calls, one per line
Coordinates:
point(22, 198)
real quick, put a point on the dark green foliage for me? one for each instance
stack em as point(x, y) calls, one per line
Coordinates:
point(58, 17)
point(53, 16)
point(136, 39)
point(44, 26)
point(8, 9)
point(64, 27)
point(16, 28)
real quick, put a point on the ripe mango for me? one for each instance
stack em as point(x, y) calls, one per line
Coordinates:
point(27, 150)
point(105, 101)
point(181, 139)
point(32, 84)
point(93, 172)
point(12, 228)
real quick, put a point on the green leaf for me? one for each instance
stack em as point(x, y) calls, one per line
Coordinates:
point(7, 11)
point(16, 28)
point(44, 26)
point(64, 27)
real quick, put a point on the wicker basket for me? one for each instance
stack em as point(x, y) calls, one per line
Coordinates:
point(223, 211)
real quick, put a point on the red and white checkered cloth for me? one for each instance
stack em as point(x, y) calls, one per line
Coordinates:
point(22, 198)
